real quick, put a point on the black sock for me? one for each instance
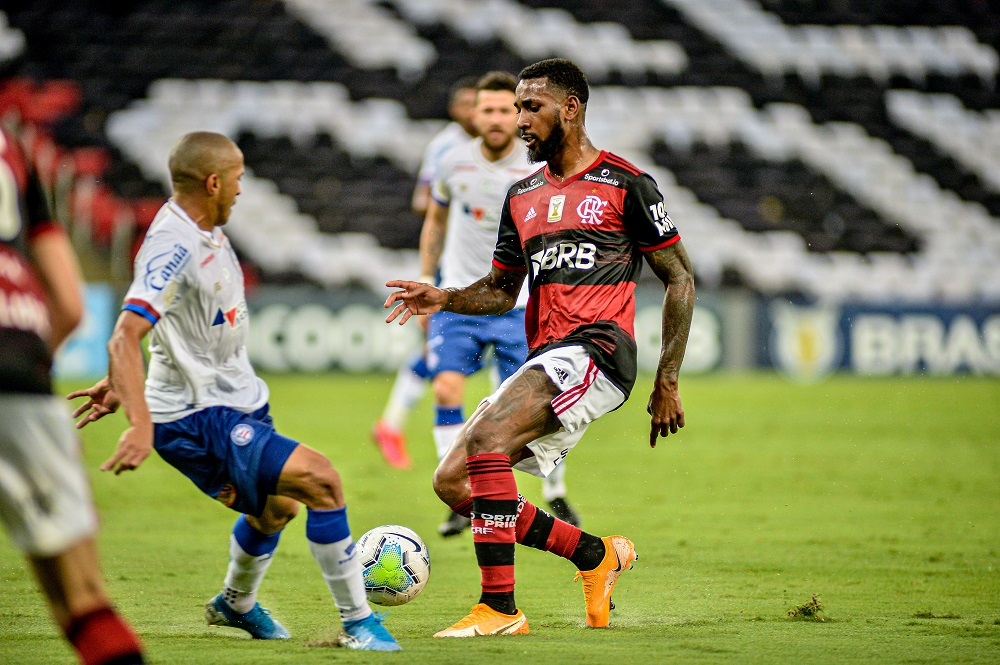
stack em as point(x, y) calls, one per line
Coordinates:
point(501, 602)
point(589, 552)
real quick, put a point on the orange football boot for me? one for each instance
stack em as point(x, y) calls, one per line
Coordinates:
point(484, 620)
point(619, 553)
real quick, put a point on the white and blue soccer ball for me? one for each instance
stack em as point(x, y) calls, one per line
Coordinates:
point(395, 562)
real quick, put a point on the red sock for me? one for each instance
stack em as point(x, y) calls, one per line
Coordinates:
point(464, 508)
point(494, 514)
point(101, 637)
point(536, 528)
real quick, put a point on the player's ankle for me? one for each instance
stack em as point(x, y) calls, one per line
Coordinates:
point(589, 552)
point(501, 602)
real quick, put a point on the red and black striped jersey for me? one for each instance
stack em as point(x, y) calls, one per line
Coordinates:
point(25, 364)
point(581, 242)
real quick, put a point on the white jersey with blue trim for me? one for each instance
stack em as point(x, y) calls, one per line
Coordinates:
point(188, 283)
point(452, 135)
point(473, 189)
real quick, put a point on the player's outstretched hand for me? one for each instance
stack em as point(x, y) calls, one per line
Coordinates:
point(133, 448)
point(665, 411)
point(101, 401)
point(415, 298)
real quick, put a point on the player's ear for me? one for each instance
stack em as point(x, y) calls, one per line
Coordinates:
point(571, 107)
point(212, 184)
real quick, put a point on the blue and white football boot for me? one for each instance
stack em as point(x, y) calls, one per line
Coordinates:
point(368, 634)
point(257, 622)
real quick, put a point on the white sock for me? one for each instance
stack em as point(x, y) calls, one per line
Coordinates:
point(444, 438)
point(554, 485)
point(406, 391)
point(244, 576)
point(342, 572)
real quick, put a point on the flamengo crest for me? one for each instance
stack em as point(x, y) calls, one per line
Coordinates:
point(591, 210)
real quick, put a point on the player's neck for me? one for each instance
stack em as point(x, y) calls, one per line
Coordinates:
point(495, 155)
point(195, 210)
point(572, 159)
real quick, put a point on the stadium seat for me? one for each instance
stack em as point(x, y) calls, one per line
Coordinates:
point(869, 129)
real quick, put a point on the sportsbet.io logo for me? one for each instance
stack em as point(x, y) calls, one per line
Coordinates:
point(242, 434)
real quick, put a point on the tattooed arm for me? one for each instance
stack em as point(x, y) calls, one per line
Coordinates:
point(494, 294)
point(673, 267)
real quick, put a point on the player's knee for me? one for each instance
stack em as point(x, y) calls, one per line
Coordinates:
point(281, 514)
point(324, 489)
point(278, 512)
point(448, 388)
point(309, 477)
point(450, 484)
point(481, 437)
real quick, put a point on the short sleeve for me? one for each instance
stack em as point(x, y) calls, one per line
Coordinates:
point(440, 189)
point(432, 157)
point(509, 254)
point(646, 218)
point(427, 167)
point(161, 272)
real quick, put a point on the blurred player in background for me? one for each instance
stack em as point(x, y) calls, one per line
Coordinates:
point(205, 411)
point(411, 379)
point(576, 229)
point(462, 129)
point(45, 498)
point(458, 238)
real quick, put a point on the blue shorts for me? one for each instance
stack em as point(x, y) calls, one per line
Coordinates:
point(456, 342)
point(231, 456)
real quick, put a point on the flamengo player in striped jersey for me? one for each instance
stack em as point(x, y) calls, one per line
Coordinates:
point(45, 498)
point(576, 230)
point(205, 411)
point(457, 241)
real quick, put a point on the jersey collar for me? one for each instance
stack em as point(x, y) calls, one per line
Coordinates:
point(554, 181)
point(502, 163)
point(214, 236)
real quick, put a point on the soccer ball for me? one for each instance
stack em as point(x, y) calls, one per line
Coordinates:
point(396, 564)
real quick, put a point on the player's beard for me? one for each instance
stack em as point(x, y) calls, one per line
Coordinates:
point(508, 138)
point(548, 148)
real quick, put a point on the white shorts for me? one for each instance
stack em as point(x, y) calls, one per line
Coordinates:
point(45, 498)
point(586, 395)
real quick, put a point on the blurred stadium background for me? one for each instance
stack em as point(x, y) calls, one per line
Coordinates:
point(833, 166)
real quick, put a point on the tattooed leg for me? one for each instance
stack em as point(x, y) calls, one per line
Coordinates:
point(519, 415)
point(476, 477)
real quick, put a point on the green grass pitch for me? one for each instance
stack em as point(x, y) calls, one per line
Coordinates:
point(881, 496)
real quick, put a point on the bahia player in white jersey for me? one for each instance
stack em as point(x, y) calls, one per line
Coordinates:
point(467, 188)
point(458, 239)
point(205, 411)
point(412, 377)
point(461, 100)
point(189, 286)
